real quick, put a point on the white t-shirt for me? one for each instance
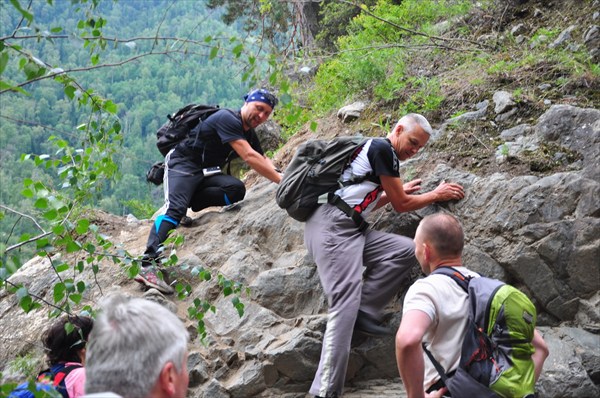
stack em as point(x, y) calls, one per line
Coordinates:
point(376, 158)
point(444, 301)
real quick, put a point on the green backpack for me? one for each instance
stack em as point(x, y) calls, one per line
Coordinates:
point(496, 352)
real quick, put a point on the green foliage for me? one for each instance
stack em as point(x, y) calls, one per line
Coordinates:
point(273, 17)
point(78, 146)
point(335, 18)
point(139, 209)
point(544, 35)
point(502, 66)
point(425, 95)
point(371, 58)
point(26, 365)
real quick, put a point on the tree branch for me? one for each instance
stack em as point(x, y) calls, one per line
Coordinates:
point(42, 235)
point(26, 216)
point(53, 267)
point(411, 31)
point(87, 68)
point(35, 296)
point(110, 39)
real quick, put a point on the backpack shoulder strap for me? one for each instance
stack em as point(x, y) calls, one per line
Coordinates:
point(438, 366)
point(60, 375)
point(457, 276)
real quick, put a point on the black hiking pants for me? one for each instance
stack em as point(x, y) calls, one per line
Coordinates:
point(186, 187)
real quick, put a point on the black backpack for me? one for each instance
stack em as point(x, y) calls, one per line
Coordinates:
point(314, 174)
point(179, 125)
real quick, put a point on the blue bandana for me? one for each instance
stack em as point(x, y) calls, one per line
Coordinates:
point(262, 95)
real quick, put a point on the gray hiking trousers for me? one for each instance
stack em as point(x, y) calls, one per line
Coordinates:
point(358, 271)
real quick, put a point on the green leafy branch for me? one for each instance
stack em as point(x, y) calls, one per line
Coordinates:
point(81, 166)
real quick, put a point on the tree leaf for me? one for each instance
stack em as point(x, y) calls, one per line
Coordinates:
point(41, 203)
point(61, 267)
point(73, 246)
point(70, 91)
point(28, 193)
point(3, 61)
point(237, 50)
point(59, 292)
point(76, 298)
point(22, 292)
point(82, 226)
point(58, 229)
point(51, 214)
point(69, 327)
point(27, 303)
point(28, 16)
point(110, 107)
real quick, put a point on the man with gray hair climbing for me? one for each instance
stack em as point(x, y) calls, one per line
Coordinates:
point(360, 269)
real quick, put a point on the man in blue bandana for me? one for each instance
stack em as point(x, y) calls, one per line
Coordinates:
point(192, 177)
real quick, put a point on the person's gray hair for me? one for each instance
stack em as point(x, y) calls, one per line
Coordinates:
point(132, 340)
point(411, 120)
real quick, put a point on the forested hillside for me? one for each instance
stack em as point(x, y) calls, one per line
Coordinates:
point(144, 82)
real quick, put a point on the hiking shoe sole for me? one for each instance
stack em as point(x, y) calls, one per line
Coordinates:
point(154, 282)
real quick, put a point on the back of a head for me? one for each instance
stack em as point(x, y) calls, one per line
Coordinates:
point(65, 346)
point(133, 339)
point(444, 232)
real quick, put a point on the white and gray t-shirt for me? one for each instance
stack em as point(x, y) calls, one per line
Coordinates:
point(375, 158)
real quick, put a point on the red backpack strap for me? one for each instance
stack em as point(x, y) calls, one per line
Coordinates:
point(64, 372)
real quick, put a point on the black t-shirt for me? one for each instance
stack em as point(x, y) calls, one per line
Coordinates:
point(208, 144)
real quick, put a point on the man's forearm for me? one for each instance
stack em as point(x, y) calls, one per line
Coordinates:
point(412, 369)
point(263, 166)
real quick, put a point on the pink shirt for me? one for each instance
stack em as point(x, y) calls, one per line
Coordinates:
point(75, 381)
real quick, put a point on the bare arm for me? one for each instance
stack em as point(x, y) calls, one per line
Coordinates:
point(409, 354)
point(402, 201)
point(258, 162)
point(409, 188)
point(540, 354)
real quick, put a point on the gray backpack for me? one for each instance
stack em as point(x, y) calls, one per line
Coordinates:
point(496, 352)
point(314, 174)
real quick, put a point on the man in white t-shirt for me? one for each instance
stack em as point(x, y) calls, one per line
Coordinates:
point(436, 310)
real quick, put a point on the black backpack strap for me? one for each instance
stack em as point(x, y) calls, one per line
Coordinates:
point(457, 276)
point(349, 211)
point(440, 369)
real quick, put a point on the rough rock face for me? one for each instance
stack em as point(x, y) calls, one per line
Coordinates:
point(540, 233)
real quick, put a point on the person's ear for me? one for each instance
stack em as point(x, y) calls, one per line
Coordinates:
point(167, 379)
point(426, 252)
point(398, 129)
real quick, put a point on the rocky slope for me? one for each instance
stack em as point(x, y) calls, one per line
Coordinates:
point(531, 170)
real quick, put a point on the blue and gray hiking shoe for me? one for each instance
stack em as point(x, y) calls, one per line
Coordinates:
point(149, 277)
